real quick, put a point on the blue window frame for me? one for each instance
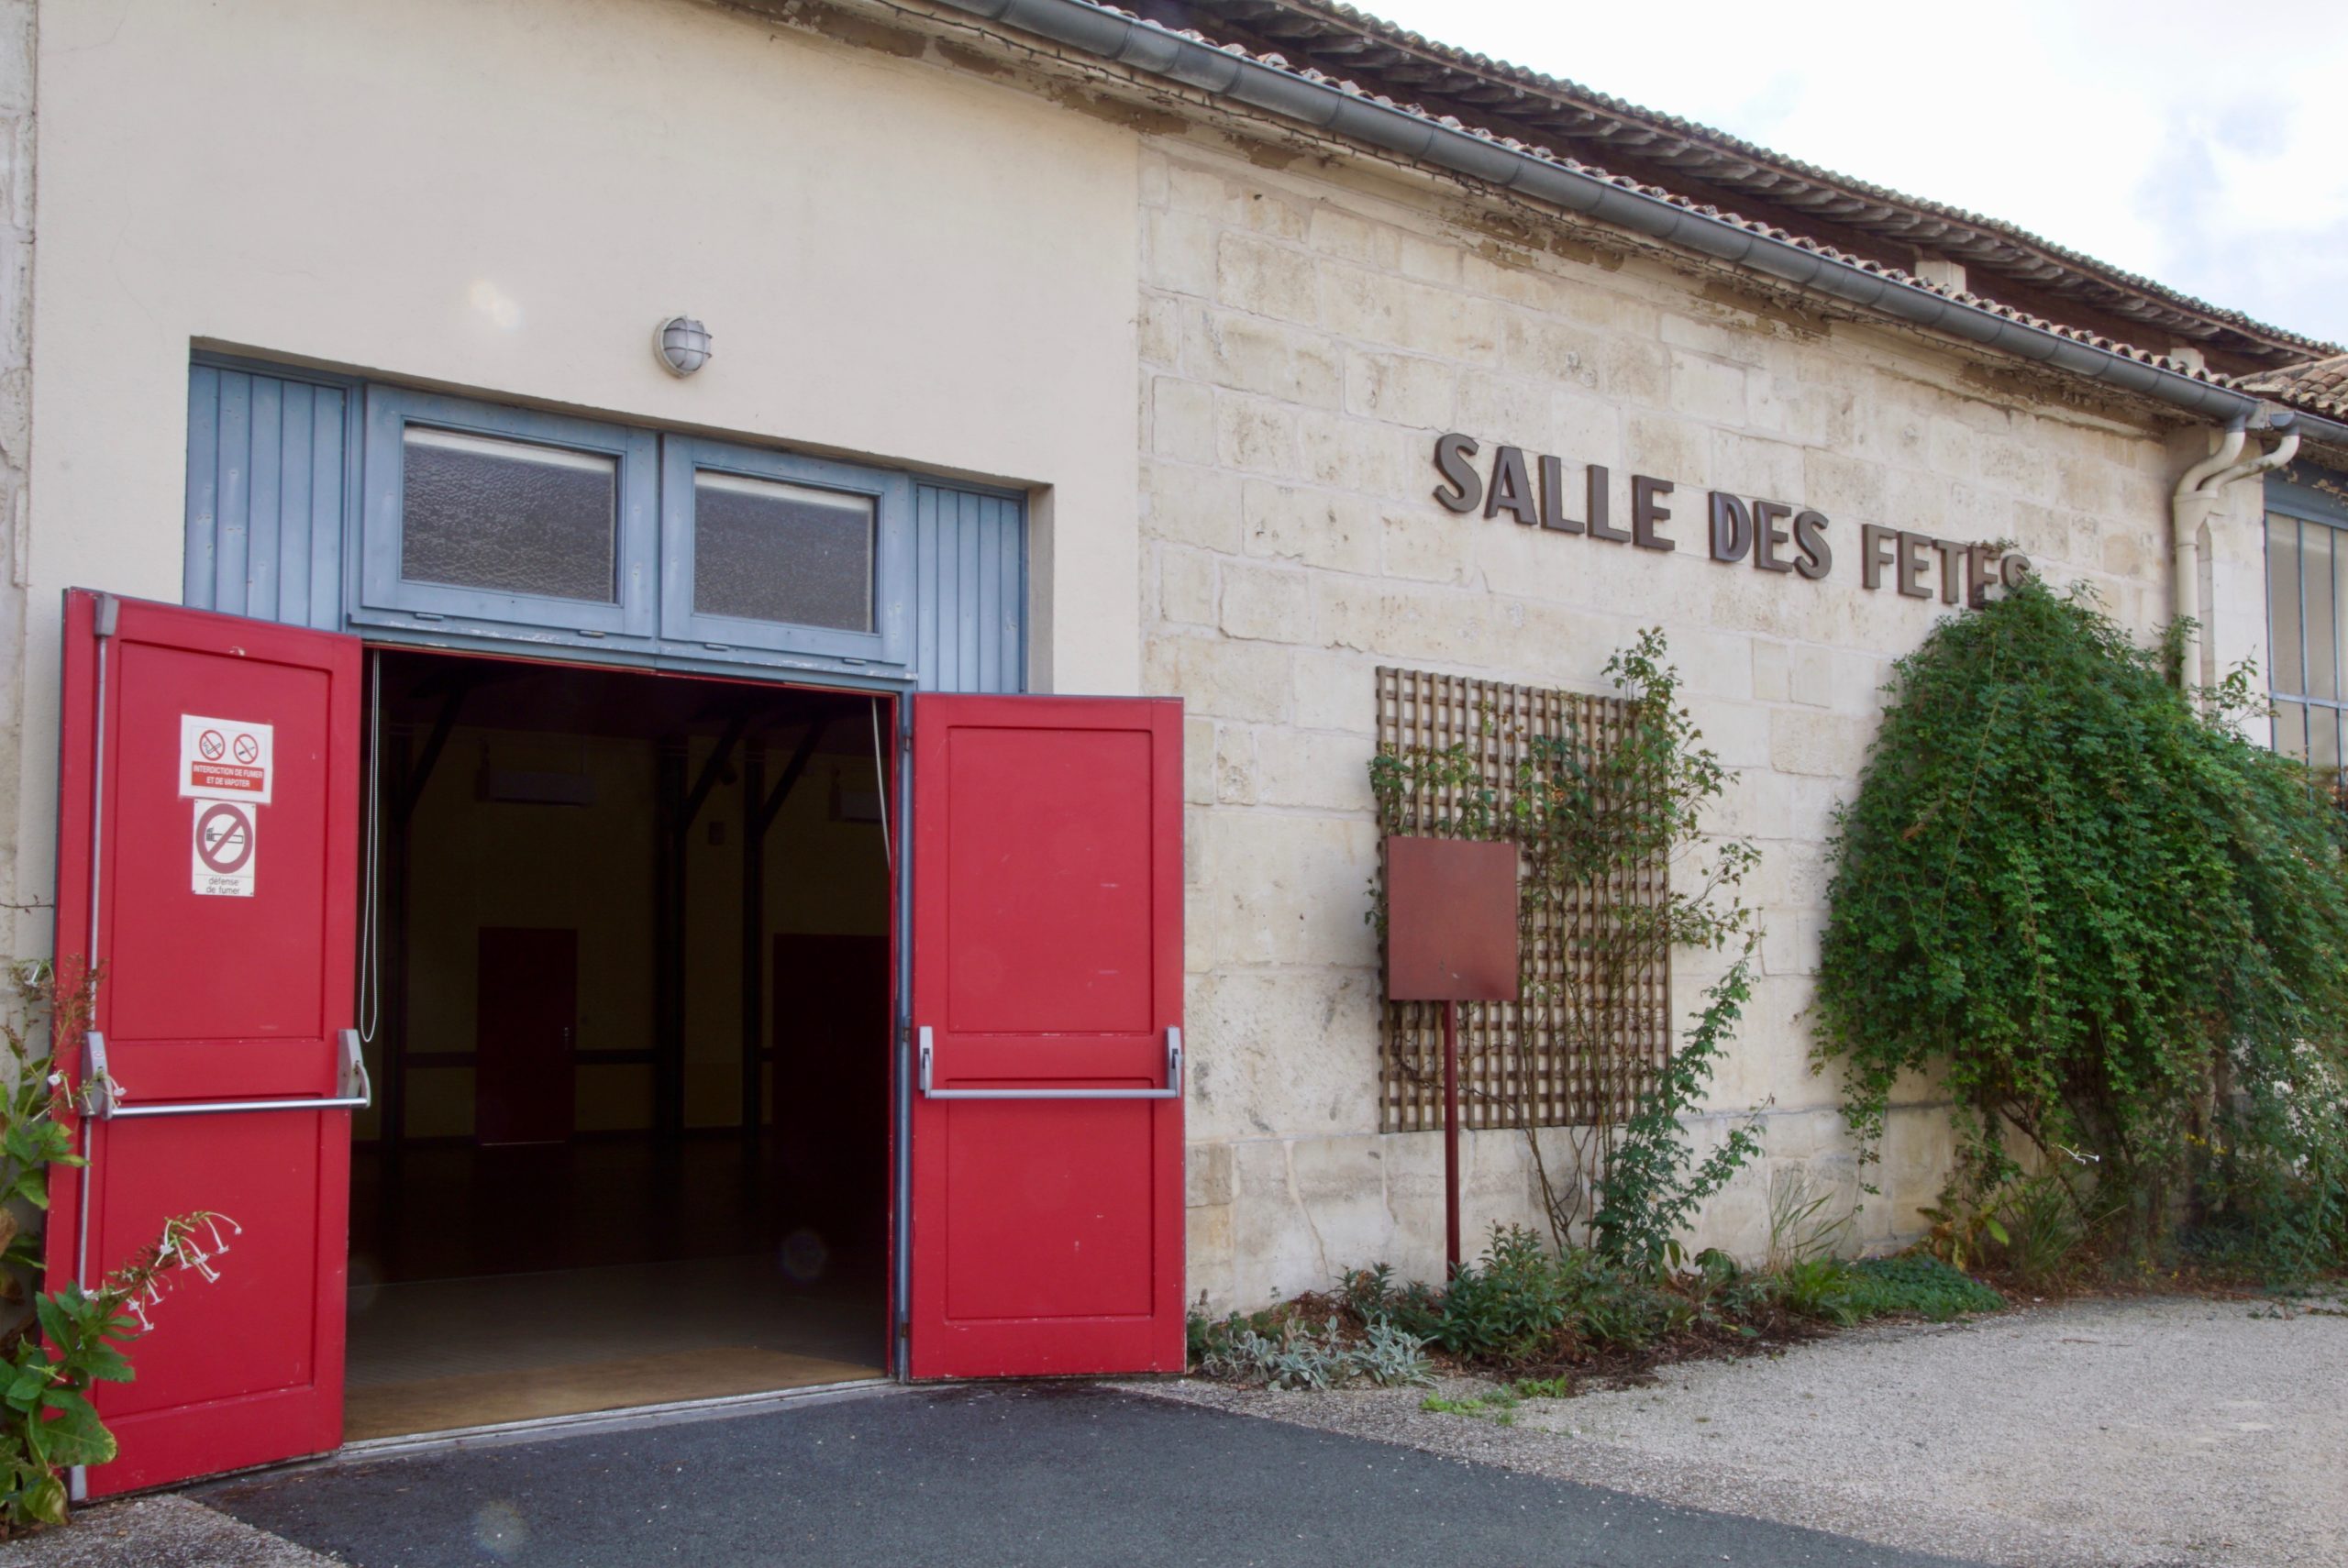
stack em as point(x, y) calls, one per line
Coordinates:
point(300, 508)
point(506, 516)
point(771, 551)
point(2306, 616)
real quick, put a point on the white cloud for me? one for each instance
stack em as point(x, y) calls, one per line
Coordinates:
point(2146, 135)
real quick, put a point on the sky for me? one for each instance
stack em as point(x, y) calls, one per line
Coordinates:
point(2142, 134)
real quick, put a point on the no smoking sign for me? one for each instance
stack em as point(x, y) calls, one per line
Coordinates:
point(225, 846)
point(227, 760)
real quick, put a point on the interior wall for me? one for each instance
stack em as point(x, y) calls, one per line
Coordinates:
point(823, 876)
point(475, 864)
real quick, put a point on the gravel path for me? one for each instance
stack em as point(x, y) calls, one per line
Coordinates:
point(157, 1532)
point(2129, 1434)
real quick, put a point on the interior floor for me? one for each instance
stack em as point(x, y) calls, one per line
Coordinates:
point(617, 1164)
point(463, 1351)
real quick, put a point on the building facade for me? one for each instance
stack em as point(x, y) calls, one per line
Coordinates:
point(1167, 364)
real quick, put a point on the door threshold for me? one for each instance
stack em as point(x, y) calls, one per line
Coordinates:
point(587, 1422)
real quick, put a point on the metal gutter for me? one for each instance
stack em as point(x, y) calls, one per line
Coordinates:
point(2326, 432)
point(1106, 35)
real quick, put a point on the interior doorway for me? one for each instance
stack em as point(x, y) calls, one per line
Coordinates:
point(630, 1142)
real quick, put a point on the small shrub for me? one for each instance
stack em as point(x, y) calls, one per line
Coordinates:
point(1915, 1286)
point(1208, 1337)
point(1291, 1356)
point(1392, 1357)
point(1415, 1308)
point(1296, 1359)
point(1620, 1308)
point(1509, 1305)
point(1818, 1288)
point(2045, 1233)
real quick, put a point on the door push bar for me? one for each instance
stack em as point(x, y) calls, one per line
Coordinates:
point(1173, 1089)
point(103, 1097)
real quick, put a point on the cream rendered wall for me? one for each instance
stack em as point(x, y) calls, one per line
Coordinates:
point(506, 195)
point(1305, 333)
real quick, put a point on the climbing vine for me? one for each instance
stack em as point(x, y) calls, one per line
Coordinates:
point(1616, 862)
point(2115, 928)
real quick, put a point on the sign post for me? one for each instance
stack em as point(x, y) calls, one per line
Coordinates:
point(1450, 937)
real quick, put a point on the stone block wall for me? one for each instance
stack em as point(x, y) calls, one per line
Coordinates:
point(1305, 333)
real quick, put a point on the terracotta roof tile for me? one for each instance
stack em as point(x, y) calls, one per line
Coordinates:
point(1806, 242)
point(2320, 386)
point(1385, 53)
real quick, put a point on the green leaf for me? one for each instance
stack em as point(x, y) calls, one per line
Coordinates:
point(104, 1363)
point(25, 1390)
point(43, 1503)
point(75, 1436)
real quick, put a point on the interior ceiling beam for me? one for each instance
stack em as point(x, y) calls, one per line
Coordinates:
point(410, 788)
point(698, 795)
point(773, 804)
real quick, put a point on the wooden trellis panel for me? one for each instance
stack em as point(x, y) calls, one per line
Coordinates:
point(1504, 1045)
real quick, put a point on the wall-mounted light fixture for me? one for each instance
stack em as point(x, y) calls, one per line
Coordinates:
point(681, 345)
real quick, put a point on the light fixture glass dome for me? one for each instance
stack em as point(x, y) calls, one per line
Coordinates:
point(683, 345)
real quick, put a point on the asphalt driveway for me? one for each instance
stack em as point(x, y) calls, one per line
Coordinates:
point(1018, 1474)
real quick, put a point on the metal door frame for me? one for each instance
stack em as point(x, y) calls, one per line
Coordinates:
point(899, 693)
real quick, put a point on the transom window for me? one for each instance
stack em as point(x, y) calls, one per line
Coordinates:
point(2307, 618)
point(499, 520)
point(508, 516)
point(764, 551)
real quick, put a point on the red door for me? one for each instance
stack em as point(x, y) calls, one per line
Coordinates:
point(208, 801)
point(1047, 1011)
point(526, 1011)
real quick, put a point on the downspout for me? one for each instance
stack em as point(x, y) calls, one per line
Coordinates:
point(2196, 496)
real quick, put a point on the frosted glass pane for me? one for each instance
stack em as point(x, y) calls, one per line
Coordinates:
point(2323, 739)
point(766, 551)
point(2315, 603)
point(2283, 603)
point(508, 516)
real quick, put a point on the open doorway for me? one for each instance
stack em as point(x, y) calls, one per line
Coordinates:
point(630, 1142)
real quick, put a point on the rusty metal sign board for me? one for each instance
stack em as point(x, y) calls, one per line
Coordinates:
point(1450, 920)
